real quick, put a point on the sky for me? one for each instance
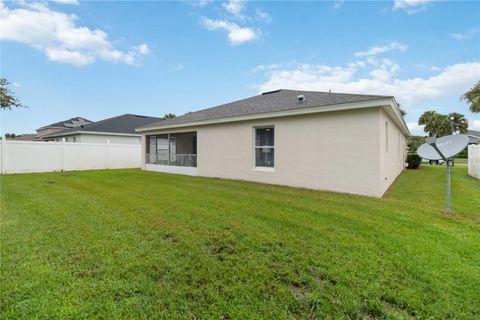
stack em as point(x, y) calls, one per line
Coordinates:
point(99, 59)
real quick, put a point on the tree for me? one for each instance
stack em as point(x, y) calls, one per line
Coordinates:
point(8, 100)
point(437, 124)
point(169, 116)
point(415, 142)
point(473, 98)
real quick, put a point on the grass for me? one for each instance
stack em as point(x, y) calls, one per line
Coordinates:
point(132, 244)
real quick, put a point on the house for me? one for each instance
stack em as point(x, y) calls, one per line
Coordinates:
point(120, 130)
point(24, 137)
point(61, 126)
point(349, 143)
point(473, 137)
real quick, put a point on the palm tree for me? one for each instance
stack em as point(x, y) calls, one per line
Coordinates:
point(429, 119)
point(473, 98)
point(169, 116)
point(437, 124)
point(458, 122)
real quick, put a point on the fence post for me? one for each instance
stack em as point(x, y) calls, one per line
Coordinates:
point(4, 156)
point(63, 154)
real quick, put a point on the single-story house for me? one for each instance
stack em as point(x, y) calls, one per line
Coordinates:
point(351, 143)
point(473, 137)
point(24, 137)
point(61, 126)
point(120, 130)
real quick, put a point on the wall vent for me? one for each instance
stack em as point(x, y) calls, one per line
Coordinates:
point(300, 98)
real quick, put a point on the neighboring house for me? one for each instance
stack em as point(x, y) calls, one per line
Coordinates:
point(61, 126)
point(24, 137)
point(331, 141)
point(120, 129)
point(473, 137)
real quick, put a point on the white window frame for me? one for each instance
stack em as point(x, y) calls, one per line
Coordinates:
point(255, 147)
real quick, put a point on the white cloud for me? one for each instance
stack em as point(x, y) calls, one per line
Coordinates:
point(67, 56)
point(470, 34)
point(337, 4)
point(415, 128)
point(263, 16)
point(474, 124)
point(381, 79)
point(235, 8)
point(143, 49)
point(411, 6)
point(201, 3)
point(373, 51)
point(236, 34)
point(59, 37)
point(66, 1)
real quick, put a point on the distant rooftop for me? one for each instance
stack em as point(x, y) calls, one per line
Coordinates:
point(125, 123)
point(70, 123)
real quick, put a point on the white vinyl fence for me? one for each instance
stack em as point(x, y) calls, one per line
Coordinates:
point(474, 160)
point(32, 156)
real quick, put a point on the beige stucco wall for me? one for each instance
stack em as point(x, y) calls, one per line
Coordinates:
point(393, 158)
point(45, 131)
point(337, 151)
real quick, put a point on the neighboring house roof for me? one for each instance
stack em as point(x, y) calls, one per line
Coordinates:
point(473, 136)
point(24, 137)
point(124, 125)
point(269, 103)
point(69, 123)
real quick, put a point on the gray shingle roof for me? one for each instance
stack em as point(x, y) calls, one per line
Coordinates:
point(125, 123)
point(473, 136)
point(69, 123)
point(273, 101)
point(473, 133)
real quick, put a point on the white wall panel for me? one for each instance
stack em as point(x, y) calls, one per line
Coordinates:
point(33, 156)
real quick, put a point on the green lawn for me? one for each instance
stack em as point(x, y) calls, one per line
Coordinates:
point(131, 244)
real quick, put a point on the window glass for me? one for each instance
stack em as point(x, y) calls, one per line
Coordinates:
point(264, 137)
point(264, 147)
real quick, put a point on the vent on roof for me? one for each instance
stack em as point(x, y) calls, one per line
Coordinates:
point(268, 92)
point(300, 98)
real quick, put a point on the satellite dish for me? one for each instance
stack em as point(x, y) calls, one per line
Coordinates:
point(448, 147)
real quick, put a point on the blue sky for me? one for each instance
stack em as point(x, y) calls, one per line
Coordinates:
point(100, 59)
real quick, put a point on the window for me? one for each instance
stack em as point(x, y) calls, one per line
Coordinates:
point(264, 147)
point(66, 139)
point(74, 139)
point(386, 136)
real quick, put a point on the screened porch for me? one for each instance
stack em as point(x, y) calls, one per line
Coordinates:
point(173, 149)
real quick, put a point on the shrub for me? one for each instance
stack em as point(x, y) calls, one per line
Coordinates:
point(413, 161)
point(463, 154)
